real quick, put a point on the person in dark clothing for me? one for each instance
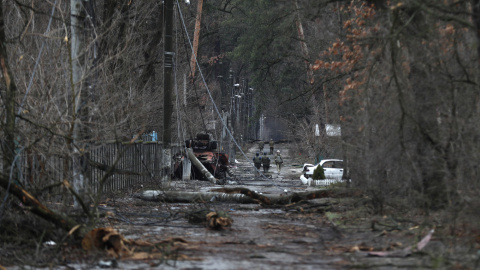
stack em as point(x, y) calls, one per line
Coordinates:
point(257, 161)
point(279, 161)
point(271, 143)
point(261, 144)
point(265, 162)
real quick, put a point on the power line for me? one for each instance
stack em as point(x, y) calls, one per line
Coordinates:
point(185, 33)
point(213, 101)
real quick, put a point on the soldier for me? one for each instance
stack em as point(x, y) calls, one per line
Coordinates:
point(272, 143)
point(265, 162)
point(279, 161)
point(260, 145)
point(257, 161)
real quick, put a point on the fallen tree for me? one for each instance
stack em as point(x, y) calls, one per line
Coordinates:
point(36, 207)
point(191, 197)
point(239, 195)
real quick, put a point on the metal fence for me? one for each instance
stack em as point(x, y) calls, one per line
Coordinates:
point(133, 164)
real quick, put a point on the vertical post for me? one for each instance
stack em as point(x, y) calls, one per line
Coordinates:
point(168, 89)
point(184, 90)
point(228, 120)
point(79, 99)
point(196, 37)
point(251, 129)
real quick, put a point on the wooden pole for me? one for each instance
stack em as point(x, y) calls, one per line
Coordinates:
point(196, 37)
point(168, 89)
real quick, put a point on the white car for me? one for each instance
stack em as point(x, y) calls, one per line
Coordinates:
point(333, 169)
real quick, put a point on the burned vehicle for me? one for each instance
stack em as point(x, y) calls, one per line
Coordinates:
point(217, 163)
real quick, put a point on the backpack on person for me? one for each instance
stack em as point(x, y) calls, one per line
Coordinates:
point(278, 159)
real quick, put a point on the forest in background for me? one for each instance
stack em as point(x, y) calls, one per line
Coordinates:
point(400, 77)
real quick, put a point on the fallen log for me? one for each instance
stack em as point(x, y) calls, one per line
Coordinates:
point(33, 205)
point(406, 251)
point(278, 199)
point(191, 197)
point(240, 195)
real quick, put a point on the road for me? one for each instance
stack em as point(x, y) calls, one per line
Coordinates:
point(324, 233)
point(259, 238)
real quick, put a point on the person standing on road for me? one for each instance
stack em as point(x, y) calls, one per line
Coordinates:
point(265, 162)
point(260, 145)
point(279, 161)
point(272, 143)
point(257, 161)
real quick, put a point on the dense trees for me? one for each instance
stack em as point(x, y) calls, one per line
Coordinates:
point(415, 96)
point(400, 76)
point(409, 99)
point(75, 74)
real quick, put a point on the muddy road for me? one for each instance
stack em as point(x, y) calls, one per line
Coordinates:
point(324, 233)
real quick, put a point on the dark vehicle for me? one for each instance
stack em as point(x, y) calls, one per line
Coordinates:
point(215, 162)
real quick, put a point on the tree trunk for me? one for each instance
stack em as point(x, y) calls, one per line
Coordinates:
point(150, 53)
point(240, 195)
point(79, 100)
point(8, 146)
point(311, 79)
point(303, 45)
point(36, 207)
point(192, 197)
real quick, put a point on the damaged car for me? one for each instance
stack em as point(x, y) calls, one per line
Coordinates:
point(332, 168)
point(205, 150)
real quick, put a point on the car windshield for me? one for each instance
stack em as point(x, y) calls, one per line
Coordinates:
point(333, 164)
point(328, 164)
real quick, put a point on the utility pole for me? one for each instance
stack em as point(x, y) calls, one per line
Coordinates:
point(167, 90)
point(231, 122)
point(79, 100)
point(196, 38)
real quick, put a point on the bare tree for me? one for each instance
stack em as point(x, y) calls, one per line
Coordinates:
point(84, 89)
point(9, 100)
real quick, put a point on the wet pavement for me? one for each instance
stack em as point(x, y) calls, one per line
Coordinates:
point(260, 238)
